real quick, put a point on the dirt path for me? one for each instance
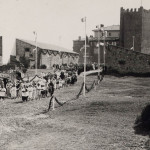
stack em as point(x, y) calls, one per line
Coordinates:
point(102, 120)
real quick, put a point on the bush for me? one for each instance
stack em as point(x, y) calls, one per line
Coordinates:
point(25, 61)
point(24, 70)
point(43, 67)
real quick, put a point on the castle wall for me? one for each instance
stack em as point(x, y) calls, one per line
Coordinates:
point(146, 32)
point(125, 61)
point(131, 25)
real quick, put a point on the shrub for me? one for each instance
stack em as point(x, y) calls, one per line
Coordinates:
point(43, 67)
point(24, 70)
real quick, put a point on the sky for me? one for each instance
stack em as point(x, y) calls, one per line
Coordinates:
point(57, 22)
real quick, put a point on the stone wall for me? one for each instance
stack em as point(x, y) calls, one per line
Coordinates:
point(127, 61)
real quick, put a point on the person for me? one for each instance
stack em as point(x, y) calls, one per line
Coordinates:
point(2, 92)
point(34, 93)
point(8, 87)
point(18, 89)
point(24, 93)
point(13, 92)
point(51, 88)
point(39, 91)
point(54, 82)
point(60, 83)
point(30, 89)
point(57, 83)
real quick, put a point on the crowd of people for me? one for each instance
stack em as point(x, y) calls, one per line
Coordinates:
point(37, 87)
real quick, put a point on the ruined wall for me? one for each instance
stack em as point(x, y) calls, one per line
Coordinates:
point(131, 25)
point(125, 61)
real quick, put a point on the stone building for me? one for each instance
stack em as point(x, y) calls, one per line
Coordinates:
point(111, 37)
point(1, 50)
point(47, 54)
point(135, 29)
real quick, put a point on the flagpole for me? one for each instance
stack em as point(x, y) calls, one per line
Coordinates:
point(15, 82)
point(98, 49)
point(84, 60)
point(141, 3)
point(35, 33)
point(133, 42)
point(104, 48)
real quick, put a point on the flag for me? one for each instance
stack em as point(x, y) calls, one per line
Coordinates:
point(83, 47)
point(83, 19)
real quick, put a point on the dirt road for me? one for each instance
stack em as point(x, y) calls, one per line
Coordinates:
point(102, 120)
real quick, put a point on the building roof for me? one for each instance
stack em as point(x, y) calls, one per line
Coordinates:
point(110, 28)
point(49, 46)
point(106, 39)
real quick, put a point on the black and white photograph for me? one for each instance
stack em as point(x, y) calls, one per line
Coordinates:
point(74, 75)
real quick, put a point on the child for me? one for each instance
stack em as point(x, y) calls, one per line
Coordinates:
point(30, 89)
point(39, 91)
point(13, 92)
point(2, 92)
point(34, 93)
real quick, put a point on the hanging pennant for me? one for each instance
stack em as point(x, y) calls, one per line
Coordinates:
point(50, 52)
point(55, 53)
point(44, 51)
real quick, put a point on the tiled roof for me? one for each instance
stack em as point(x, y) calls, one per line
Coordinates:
point(48, 46)
point(110, 28)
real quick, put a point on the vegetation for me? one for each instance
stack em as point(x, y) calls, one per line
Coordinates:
point(43, 67)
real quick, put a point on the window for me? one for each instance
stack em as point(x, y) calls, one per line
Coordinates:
point(27, 52)
point(109, 34)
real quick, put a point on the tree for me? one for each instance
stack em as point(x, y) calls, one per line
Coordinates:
point(25, 61)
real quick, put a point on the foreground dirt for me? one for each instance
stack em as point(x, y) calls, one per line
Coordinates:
point(103, 120)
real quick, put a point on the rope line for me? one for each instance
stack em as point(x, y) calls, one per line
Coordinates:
point(92, 86)
point(81, 89)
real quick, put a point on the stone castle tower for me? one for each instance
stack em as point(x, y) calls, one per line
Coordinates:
point(135, 28)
